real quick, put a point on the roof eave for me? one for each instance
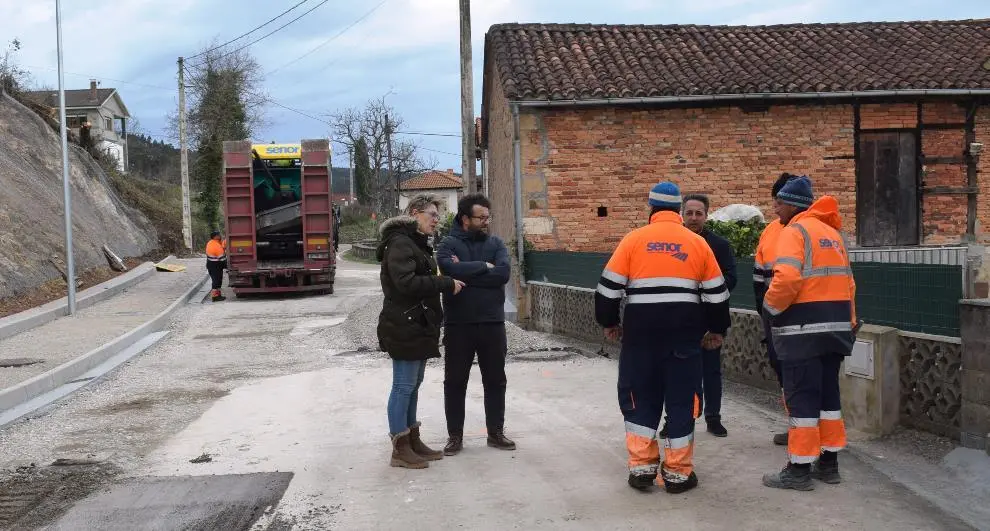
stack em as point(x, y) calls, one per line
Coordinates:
point(764, 96)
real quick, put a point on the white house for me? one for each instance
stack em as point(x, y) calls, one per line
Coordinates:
point(445, 185)
point(101, 108)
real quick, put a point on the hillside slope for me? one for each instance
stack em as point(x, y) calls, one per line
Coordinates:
point(31, 205)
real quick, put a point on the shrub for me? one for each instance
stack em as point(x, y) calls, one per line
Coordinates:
point(742, 235)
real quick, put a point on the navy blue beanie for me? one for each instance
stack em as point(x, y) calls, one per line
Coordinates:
point(797, 192)
point(665, 194)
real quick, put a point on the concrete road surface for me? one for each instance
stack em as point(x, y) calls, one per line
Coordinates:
point(266, 386)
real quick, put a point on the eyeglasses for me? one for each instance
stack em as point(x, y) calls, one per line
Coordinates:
point(434, 215)
point(482, 219)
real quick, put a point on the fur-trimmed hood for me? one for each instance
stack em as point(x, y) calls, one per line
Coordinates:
point(405, 225)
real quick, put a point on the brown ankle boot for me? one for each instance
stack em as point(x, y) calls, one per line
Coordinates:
point(421, 449)
point(454, 445)
point(402, 454)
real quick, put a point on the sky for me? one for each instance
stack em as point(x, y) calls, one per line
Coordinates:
point(353, 51)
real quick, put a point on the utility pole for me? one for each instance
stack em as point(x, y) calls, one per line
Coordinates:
point(70, 264)
point(350, 157)
point(391, 173)
point(467, 101)
point(184, 159)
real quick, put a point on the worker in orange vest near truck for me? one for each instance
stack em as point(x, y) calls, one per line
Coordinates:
point(811, 307)
point(763, 261)
point(676, 300)
point(216, 262)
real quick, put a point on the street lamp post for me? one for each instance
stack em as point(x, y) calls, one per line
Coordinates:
point(66, 185)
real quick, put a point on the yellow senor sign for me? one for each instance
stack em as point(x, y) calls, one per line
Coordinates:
point(278, 151)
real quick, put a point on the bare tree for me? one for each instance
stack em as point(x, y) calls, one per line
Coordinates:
point(351, 124)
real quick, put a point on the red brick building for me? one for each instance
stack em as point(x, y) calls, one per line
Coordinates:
point(880, 115)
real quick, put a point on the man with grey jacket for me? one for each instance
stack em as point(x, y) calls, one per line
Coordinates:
point(474, 321)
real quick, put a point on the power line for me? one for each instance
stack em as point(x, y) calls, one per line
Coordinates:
point(420, 133)
point(270, 33)
point(328, 41)
point(239, 37)
point(100, 78)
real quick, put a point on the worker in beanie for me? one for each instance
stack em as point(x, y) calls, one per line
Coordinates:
point(811, 307)
point(766, 254)
point(675, 299)
point(216, 262)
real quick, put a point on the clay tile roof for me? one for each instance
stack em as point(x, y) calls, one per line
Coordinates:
point(433, 180)
point(586, 61)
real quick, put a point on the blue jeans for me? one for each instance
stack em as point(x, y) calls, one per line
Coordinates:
point(407, 376)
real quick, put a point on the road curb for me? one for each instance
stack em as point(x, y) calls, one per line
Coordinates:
point(70, 370)
point(21, 322)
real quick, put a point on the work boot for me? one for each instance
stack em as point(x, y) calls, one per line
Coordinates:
point(642, 481)
point(826, 470)
point(402, 454)
point(791, 477)
point(455, 443)
point(497, 439)
point(676, 484)
point(421, 449)
point(780, 439)
point(217, 295)
point(715, 426)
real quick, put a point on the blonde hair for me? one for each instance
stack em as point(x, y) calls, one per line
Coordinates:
point(421, 202)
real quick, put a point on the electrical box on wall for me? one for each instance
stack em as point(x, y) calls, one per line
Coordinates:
point(860, 362)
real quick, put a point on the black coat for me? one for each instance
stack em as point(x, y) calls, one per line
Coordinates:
point(723, 255)
point(483, 298)
point(409, 325)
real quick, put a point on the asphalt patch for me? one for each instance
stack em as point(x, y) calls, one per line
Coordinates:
point(184, 502)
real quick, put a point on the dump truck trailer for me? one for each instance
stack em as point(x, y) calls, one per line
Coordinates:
point(279, 217)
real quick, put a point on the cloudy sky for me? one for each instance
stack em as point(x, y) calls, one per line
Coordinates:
point(363, 48)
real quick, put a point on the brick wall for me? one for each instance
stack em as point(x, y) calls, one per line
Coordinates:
point(983, 177)
point(578, 159)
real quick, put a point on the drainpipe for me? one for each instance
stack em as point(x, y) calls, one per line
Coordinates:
point(517, 178)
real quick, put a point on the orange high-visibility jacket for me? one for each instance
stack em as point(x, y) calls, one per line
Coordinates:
point(812, 298)
point(766, 255)
point(215, 251)
point(674, 289)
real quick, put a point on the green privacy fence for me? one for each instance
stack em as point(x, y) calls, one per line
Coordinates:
point(913, 297)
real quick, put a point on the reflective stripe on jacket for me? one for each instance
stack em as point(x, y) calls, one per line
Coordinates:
point(215, 251)
point(673, 287)
point(766, 254)
point(811, 299)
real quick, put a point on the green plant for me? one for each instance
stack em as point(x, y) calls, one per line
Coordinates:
point(742, 235)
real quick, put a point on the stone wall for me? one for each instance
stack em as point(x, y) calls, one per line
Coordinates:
point(930, 383)
point(975, 414)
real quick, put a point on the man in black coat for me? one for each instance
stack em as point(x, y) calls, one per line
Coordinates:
point(695, 215)
point(474, 321)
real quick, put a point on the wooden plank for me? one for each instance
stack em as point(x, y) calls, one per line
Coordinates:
point(971, 171)
point(887, 176)
point(943, 160)
point(950, 190)
point(866, 218)
point(906, 212)
point(942, 127)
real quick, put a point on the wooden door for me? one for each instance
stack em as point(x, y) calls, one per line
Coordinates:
point(887, 191)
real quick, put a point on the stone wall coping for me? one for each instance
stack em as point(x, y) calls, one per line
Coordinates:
point(932, 337)
point(561, 286)
point(975, 302)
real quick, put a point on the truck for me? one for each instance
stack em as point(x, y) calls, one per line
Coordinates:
point(279, 217)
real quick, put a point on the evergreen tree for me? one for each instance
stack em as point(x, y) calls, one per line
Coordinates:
point(362, 172)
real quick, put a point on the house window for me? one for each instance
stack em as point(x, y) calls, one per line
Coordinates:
point(74, 121)
point(108, 124)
